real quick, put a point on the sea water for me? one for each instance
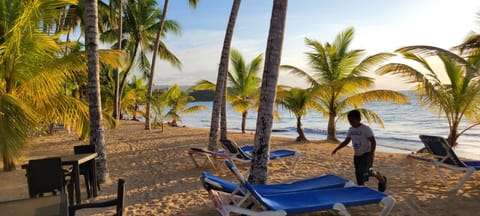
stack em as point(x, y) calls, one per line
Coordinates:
point(403, 123)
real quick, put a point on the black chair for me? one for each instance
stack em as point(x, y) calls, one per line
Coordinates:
point(118, 202)
point(85, 169)
point(47, 176)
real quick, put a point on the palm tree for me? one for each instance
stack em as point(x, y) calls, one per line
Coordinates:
point(193, 4)
point(177, 102)
point(140, 23)
point(244, 84)
point(339, 72)
point(259, 165)
point(299, 101)
point(457, 98)
point(97, 132)
point(219, 99)
point(33, 72)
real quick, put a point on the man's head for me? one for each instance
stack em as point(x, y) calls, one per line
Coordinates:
point(354, 118)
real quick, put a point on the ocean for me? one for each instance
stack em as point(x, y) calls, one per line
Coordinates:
point(403, 123)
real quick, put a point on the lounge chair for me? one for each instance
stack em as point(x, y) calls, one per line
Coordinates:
point(238, 154)
point(293, 202)
point(320, 182)
point(209, 155)
point(441, 154)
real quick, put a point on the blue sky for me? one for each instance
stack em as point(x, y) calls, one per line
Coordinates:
point(380, 25)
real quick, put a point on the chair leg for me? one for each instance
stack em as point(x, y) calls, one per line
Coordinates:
point(88, 185)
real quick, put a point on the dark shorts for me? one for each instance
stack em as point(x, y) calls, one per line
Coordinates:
point(362, 167)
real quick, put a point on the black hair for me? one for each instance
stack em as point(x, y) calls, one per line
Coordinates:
point(354, 114)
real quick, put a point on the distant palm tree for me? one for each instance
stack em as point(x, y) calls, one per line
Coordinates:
point(193, 4)
point(259, 165)
point(177, 103)
point(298, 101)
point(140, 23)
point(244, 86)
point(134, 96)
point(457, 98)
point(339, 73)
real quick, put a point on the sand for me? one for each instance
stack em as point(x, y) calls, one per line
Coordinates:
point(162, 180)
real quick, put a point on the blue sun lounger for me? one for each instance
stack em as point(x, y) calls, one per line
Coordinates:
point(238, 154)
point(192, 152)
point(440, 155)
point(315, 183)
point(293, 202)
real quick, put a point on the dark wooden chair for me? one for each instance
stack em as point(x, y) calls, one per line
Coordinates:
point(47, 176)
point(85, 169)
point(118, 202)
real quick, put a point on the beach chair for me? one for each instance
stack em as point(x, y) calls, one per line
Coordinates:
point(209, 155)
point(117, 202)
point(320, 182)
point(85, 168)
point(294, 202)
point(238, 154)
point(441, 154)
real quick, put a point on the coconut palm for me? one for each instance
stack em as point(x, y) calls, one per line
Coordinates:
point(177, 102)
point(298, 101)
point(193, 4)
point(244, 84)
point(219, 99)
point(33, 74)
point(339, 73)
point(457, 98)
point(140, 23)
point(258, 168)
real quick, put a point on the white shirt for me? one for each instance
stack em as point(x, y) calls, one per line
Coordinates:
point(360, 139)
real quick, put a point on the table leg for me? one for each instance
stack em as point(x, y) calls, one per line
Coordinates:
point(93, 166)
point(76, 175)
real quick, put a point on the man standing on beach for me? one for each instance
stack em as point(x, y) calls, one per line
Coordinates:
point(364, 144)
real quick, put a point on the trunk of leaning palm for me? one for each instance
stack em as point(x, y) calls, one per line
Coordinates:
point(223, 114)
point(97, 131)
point(244, 120)
point(259, 165)
point(222, 77)
point(301, 136)
point(116, 73)
point(148, 124)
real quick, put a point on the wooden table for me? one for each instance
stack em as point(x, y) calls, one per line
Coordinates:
point(75, 160)
point(41, 206)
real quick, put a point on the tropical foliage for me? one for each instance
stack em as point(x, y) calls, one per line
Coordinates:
point(340, 75)
point(33, 73)
point(177, 101)
point(298, 101)
point(445, 82)
point(243, 84)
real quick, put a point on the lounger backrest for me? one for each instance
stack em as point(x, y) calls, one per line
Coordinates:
point(217, 183)
point(439, 147)
point(232, 148)
point(235, 171)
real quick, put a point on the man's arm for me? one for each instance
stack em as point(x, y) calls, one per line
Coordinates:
point(341, 145)
point(373, 144)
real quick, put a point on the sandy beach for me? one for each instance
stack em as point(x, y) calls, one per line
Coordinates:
point(162, 180)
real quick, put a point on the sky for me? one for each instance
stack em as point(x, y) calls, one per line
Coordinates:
point(380, 26)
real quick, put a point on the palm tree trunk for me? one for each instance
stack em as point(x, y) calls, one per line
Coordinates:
point(148, 124)
point(244, 121)
point(116, 73)
point(331, 127)
point(97, 131)
point(301, 136)
point(259, 165)
point(222, 76)
point(223, 115)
